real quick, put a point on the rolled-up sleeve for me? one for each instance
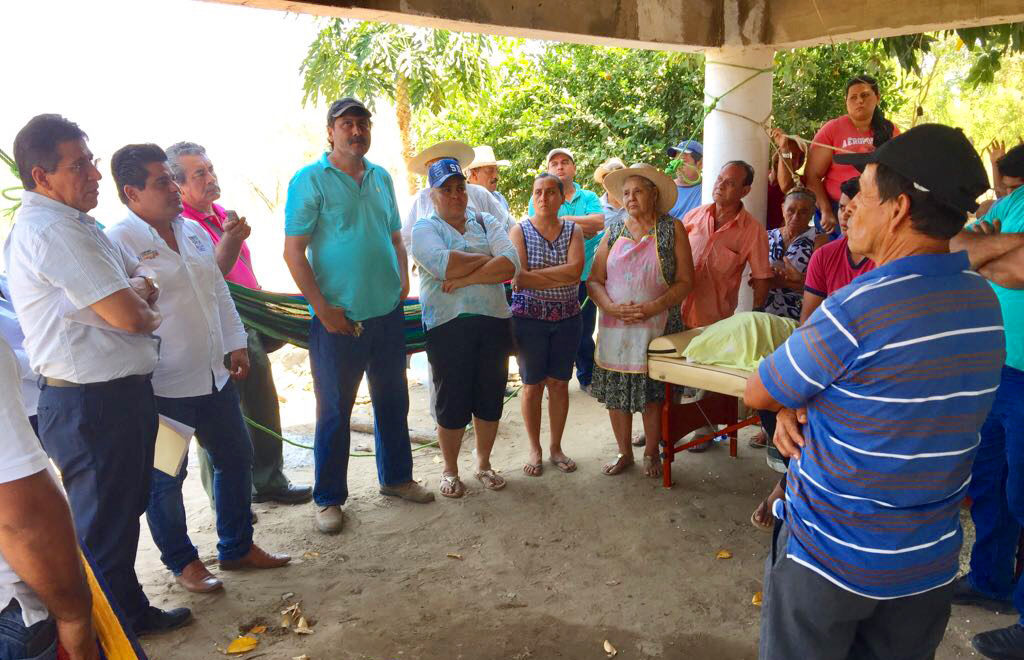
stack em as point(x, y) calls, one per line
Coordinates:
point(501, 244)
point(429, 249)
point(302, 208)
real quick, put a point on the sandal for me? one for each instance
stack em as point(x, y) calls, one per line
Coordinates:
point(490, 479)
point(565, 464)
point(533, 469)
point(451, 486)
point(652, 466)
point(618, 465)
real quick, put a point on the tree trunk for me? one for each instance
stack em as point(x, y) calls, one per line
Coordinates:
point(404, 112)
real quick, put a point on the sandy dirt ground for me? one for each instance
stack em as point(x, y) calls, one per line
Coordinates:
point(550, 567)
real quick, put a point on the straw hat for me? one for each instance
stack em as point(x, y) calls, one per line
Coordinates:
point(460, 151)
point(484, 156)
point(667, 191)
point(607, 167)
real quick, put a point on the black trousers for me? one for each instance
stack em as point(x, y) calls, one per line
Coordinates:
point(804, 615)
point(101, 436)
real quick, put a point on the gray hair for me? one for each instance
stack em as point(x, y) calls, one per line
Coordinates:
point(174, 154)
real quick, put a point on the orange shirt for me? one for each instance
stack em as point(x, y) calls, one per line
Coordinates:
point(718, 259)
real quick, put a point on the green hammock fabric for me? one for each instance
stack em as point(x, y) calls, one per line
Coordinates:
point(285, 316)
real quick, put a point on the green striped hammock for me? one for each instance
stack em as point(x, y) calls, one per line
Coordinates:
point(285, 316)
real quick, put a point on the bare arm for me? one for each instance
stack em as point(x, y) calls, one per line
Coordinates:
point(756, 395)
point(226, 252)
point(403, 261)
point(333, 318)
point(496, 270)
point(590, 224)
point(553, 276)
point(819, 160)
point(761, 289)
point(982, 247)
point(1007, 270)
point(127, 311)
point(811, 302)
point(37, 538)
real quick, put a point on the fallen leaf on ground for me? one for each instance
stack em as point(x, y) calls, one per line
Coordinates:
point(454, 555)
point(613, 583)
point(302, 627)
point(610, 650)
point(311, 554)
point(437, 459)
point(256, 630)
point(723, 554)
point(756, 600)
point(288, 595)
point(242, 644)
point(300, 657)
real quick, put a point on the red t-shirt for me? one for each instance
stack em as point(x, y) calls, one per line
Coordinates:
point(830, 268)
point(842, 134)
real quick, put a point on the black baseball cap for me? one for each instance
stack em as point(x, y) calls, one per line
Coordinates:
point(347, 104)
point(938, 159)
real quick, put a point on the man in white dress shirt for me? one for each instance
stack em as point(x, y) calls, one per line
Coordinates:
point(10, 331)
point(191, 383)
point(88, 327)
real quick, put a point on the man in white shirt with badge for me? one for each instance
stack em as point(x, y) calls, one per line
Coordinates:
point(191, 383)
point(88, 328)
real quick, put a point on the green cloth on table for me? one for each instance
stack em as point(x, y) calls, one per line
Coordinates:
point(740, 341)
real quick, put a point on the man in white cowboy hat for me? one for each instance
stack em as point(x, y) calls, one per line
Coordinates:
point(480, 198)
point(483, 171)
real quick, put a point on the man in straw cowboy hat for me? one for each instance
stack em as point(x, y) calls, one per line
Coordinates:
point(483, 171)
point(480, 198)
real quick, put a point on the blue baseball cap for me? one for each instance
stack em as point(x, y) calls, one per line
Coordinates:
point(443, 169)
point(686, 146)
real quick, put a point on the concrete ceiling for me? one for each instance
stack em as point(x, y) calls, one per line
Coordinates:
point(689, 25)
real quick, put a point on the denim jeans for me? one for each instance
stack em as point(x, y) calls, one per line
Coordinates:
point(17, 642)
point(101, 437)
point(997, 494)
point(338, 363)
point(220, 430)
point(585, 351)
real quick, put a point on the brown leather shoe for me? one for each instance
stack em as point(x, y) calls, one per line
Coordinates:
point(197, 579)
point(255, 558)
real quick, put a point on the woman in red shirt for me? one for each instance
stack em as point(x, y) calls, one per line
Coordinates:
point(862, 129)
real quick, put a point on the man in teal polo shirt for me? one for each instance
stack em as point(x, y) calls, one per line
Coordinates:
point(343, 246)
point(584, 208)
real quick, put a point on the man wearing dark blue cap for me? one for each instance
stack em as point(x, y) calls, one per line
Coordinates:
point(690, 155)
point(881, 393)
point(343, 246)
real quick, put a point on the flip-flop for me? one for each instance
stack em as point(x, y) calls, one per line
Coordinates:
point(457, 488)
point(533, 469)
point(490, 479)
point(616, 467)
point(764, 527)
point(568, 465)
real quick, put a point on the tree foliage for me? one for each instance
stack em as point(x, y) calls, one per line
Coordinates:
point(987, 46)
point(603, 102)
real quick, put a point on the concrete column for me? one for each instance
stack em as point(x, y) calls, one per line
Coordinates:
point(729, 137)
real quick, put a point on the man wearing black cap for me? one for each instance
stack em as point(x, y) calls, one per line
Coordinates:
point(880, 394)
point(342, 211)
point(996, 249)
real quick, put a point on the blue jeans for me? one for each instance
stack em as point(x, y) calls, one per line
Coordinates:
point(101, 437)
point(997, 493)
point(585, 351)
point(338, 363)
point(220, 430)
point(37, 642)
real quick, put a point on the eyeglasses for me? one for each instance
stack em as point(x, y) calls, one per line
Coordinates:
point(81, 165)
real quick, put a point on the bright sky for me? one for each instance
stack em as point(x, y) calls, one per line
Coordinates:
point(162, 71)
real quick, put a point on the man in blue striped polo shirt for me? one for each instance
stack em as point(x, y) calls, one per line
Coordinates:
point(882, 392)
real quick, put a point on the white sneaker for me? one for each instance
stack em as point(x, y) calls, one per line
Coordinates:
point(330, 519)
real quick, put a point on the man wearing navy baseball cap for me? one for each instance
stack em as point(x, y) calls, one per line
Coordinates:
point(343, 246)
point(881, 393)
point(690, 155)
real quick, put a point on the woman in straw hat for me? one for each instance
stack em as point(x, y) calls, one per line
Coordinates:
point(642, 272)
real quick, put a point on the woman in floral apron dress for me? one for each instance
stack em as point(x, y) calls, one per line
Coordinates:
point(642, 272)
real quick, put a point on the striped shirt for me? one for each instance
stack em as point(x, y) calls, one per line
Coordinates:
point(897, 371)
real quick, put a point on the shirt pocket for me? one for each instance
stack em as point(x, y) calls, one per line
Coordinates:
point(724, 260)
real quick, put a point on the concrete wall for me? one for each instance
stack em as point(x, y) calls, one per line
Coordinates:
point(690, 25)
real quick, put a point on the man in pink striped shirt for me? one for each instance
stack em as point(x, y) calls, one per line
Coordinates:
point(194, 174)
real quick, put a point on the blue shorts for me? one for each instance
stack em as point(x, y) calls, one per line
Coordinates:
point(546, 349)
